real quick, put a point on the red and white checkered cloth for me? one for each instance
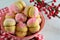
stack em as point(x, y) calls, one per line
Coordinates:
point(6, 36)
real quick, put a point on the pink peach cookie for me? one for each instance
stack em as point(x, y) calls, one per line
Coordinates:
point(20, 17)
point(32, 22)
point(17, 6)
point(13, 9)
point(33, 25)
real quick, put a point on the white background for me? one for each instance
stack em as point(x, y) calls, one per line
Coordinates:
point(51, 30)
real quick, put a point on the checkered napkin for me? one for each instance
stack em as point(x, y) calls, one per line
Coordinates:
point(6, 36)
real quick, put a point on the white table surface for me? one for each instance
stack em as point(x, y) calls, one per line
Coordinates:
point(51, 30)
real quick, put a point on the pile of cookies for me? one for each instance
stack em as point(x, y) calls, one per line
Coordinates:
point(22, 20)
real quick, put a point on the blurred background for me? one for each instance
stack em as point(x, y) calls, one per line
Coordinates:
point(51, 30)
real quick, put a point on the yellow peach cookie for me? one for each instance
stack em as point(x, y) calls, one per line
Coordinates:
point(31, 11)
point(26, 11)
point(9, 22)
point(34, 29)
point(21, 34)
point(20, 5)
point(10, 29)
point(21, 29)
